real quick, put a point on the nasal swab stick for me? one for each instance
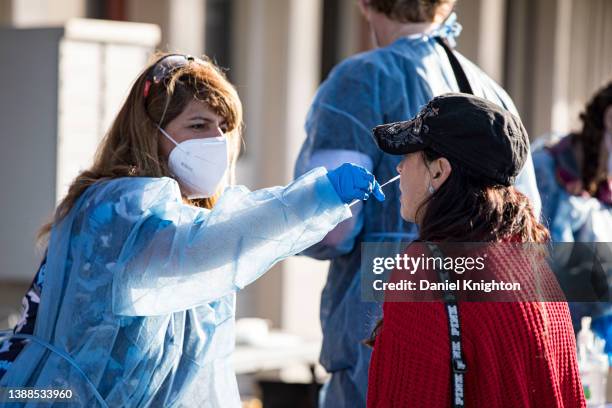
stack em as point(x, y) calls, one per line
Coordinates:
point(390, 181)
point(387, 182)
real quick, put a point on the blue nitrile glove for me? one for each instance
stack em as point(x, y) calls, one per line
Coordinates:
point(353, 182)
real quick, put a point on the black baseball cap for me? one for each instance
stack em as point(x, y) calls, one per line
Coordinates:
point(488, 140)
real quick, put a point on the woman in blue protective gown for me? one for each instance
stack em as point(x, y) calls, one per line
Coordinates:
point(133, 304)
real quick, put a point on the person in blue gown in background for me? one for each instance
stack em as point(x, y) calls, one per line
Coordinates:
point(574, 174)
point(387, 84)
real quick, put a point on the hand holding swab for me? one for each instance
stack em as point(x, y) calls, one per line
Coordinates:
point(387, 182)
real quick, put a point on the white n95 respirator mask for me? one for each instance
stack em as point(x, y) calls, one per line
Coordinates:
point(199, 165)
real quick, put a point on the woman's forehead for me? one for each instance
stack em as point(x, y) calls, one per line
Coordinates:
point(412, 157)
point(198, 108)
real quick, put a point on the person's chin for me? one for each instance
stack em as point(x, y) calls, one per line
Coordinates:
point(405, 215)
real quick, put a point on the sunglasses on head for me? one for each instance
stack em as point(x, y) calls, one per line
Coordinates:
point(164, 67)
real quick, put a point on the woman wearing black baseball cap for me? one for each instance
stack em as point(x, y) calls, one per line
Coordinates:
point(462, 154)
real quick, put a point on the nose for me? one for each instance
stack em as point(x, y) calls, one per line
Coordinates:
point(399, 168)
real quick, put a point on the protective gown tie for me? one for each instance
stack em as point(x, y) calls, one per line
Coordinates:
point(61, 353)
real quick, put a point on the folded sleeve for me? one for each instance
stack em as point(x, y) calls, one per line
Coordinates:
point(345, 109)
point(341, 239)
point(339, 129)
point(178, 256)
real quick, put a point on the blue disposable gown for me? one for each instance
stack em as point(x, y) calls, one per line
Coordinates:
point(379, 86)
point(140, 287)
point(576, 218)
point(569, 218)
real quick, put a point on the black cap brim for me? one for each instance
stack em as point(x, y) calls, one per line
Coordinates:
point(398, 138)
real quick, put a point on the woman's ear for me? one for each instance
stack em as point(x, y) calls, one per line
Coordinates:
point(364, 7)
point(441, 170)
point(443, 11)
point(608, 119)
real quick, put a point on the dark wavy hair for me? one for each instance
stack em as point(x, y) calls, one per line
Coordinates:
point(591, 137)
point(465, 209)
point(409, 11)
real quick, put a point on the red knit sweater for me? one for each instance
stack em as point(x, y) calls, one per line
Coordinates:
point(518, 354)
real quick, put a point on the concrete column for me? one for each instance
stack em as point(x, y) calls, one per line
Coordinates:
point(351, 28)
point(303, 278)
point(521, 22)
point(31, 13)
point(590, 65)
point(6, 12)
point(560, 115)
point(492, 39)
point(276, 71)
point(544, 47)
point(187, 22)
point(182, 22)
point(558, 56)
point(531, 56)
point(483, 37)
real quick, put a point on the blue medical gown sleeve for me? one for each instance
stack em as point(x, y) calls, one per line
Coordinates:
point(341, 239)
point(344, 111)
point(178, 256)
point(340, 121)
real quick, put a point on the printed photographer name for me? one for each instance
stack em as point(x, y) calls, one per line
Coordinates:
point(465, 285)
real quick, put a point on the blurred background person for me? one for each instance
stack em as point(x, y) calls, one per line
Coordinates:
point(574, 176)
point(413, 62)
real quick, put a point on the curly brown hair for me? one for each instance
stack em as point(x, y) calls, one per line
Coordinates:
point(591, 137)
point(409, 11)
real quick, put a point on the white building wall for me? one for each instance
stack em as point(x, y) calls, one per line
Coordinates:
point(276, 71)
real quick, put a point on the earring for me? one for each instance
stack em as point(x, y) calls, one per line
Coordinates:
point(431, 189)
